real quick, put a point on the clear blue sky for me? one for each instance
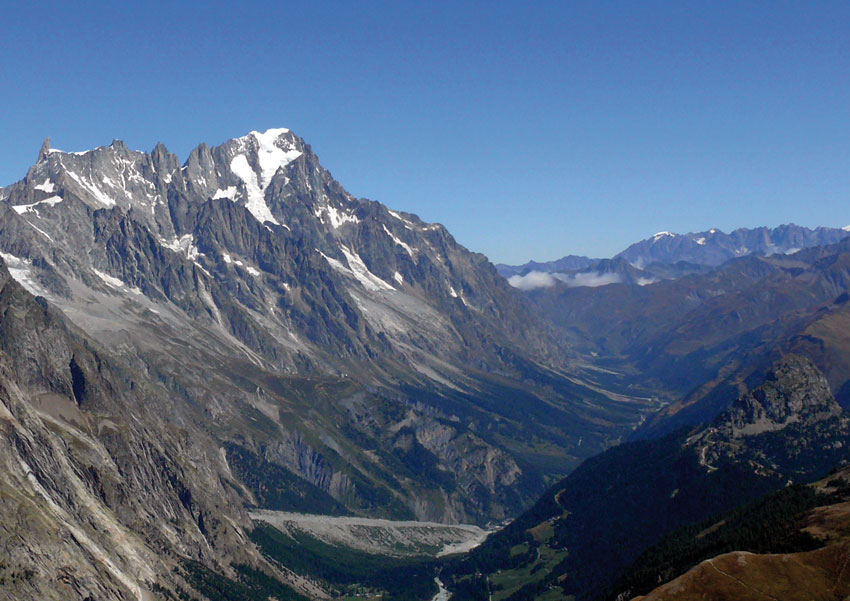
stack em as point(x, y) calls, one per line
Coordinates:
point(531, 130)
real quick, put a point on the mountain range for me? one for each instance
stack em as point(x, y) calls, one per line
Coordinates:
point(289, 347)
point(669, 256)
point(187, 346)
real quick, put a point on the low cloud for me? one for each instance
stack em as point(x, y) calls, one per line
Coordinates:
point(532, 280)
point(589, 280)
point(539, 279)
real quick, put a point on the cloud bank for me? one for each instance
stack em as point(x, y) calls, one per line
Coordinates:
point(532, 280)
point(539, 279)
point(590, 280)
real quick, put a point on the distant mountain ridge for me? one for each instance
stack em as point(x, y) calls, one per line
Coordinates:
point(713, 247)
point(667, 255)
point(568, 263)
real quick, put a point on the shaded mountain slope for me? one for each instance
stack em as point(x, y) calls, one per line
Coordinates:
point(791, 545)
point(614, 505)
point(101, 497)
point(702, 339)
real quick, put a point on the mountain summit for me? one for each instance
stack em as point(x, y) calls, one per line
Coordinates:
point(781, 428)
point(305, 242)
point(358, 349)
point(794, 392)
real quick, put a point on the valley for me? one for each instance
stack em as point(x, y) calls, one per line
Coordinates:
point(326, 398)
point(417, 301)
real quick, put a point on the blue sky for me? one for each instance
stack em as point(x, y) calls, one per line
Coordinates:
point(531, 130)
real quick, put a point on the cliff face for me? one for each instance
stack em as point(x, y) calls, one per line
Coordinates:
point(780, 428)
point(794, 392)
point(98, 494)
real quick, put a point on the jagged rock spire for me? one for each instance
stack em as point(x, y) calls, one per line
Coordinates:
point(45, 149)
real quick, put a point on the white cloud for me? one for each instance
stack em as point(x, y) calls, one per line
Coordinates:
point(532, 280)
point(589, 280)
point(540, 279)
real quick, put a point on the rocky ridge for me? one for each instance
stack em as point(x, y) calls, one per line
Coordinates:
point(352, 345)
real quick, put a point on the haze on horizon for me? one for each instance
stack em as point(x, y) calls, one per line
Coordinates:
point(531, 132)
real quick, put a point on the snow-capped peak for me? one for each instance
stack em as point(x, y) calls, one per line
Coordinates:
point(48, 186)
point(660, 235)
point(272, 154)
point(846, 228)
point(270, 134)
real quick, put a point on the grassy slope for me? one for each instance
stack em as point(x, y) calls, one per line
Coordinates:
point(793, 541)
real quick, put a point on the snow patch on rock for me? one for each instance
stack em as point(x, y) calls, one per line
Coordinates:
point(271, 155)
point(47, 186)
point(184, 246)
point(256, 202)
point(21, 271)
point(98, 194)
point(52, 201)
point(335, 216)
point(398, 240)
point(357, 269)
point(229, 193)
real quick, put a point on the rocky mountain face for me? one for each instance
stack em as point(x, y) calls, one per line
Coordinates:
point(261, 210)
point(584, 531)
point(793, 412)
point(356, 348)
point(794, 391)
point(101, 496)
